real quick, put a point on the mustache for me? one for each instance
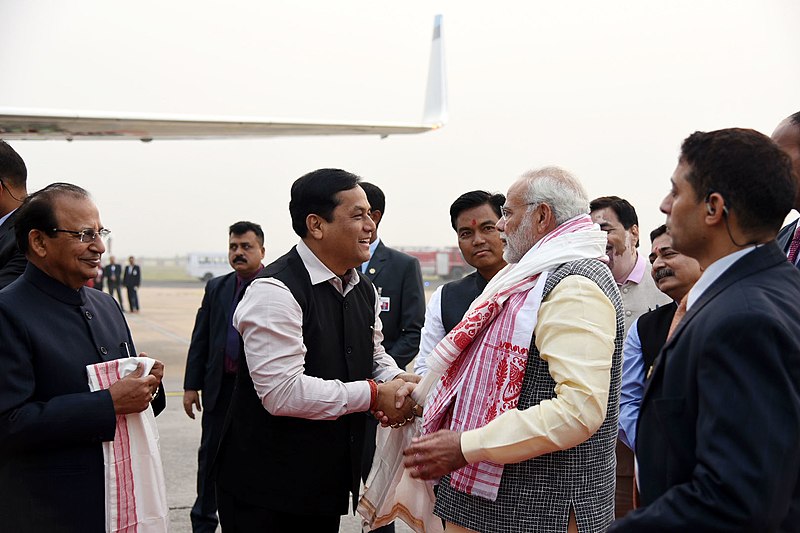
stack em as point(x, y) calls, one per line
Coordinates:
point(239, 259)
point(662, 273)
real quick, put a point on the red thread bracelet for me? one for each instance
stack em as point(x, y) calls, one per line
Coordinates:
point(373, 394)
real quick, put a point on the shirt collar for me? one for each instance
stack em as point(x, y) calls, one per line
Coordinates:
point(372, 247)
point(319, 273)
point(5, 217)
point(712, 273)
point(52, 287)
point(638, 271)
point(242, 280)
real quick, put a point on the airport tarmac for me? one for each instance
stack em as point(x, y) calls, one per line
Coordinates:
point(163, 329)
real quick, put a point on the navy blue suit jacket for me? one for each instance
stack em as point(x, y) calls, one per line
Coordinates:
point(718, 440)
point(204, 364)
point(51, 425)
point(12, 261)
point(397, 276)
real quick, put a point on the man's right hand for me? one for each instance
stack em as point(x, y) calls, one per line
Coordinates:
point(134, 392)
point(191, 398)
point(388, 400)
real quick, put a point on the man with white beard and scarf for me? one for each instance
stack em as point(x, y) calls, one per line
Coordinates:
point(523, 422)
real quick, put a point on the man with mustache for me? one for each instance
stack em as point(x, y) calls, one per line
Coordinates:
point(214, 359)
point(674, 274)
point(617, 217)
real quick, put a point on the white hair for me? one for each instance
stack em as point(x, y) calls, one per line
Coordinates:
point(559, 189)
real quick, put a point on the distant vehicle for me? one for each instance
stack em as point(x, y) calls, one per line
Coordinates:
point(205, 266)
point(446, 263)
point(18, 124)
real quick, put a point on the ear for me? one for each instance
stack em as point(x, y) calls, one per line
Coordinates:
point(376, 215)
point(544, 219)
point(314, 225)
point(715, 209)
point(634, 229)
point(37, 244)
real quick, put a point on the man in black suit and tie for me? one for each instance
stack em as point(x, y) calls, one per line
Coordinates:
point(13, 177)
point(213, 360)
point(113, 275)
point(787, 137)
point(719, 426)
point(398, 279)
point(132, 280)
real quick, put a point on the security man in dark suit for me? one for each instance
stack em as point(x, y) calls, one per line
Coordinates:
point(113, 274)
point(13, 177)
point(719, 425)
point(787, 137)
point(398, 279)
point(132, 280)
point(213, 360)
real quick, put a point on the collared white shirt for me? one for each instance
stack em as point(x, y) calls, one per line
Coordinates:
point(713, 272)
point(372, 247)
point(271, 323)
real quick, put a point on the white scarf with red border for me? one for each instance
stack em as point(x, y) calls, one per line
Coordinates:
point(482, 360)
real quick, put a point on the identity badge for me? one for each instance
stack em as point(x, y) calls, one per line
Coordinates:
point(385, 303)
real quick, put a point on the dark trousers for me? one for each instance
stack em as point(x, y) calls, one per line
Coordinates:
point(623, 498)
point(115, 287)
point(366, 461)
point(133, 297)
point(237, 516)
point(204, 510)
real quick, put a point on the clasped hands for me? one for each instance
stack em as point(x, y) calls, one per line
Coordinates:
point(134, 392)
point(394, 406)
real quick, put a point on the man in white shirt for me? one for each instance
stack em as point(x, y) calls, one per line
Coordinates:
point(474, 216)
point(524, 420)
point(291, 451)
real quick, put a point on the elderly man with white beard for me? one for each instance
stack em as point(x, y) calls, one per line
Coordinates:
point(523, 422)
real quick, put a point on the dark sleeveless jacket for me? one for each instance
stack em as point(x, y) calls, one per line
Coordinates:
point(294, 464)
point(537, 494)
point(457, 296)
point(653, 328)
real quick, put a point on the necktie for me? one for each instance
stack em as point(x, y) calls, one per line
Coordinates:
point(679, 312)
point(794, 247)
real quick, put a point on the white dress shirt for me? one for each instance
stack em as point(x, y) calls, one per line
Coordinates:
point(271, 323)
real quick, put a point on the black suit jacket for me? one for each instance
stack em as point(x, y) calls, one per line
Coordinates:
point(204, 364)
point(133, 276)
point(113, 271)
point(397, 276)
point(51, 425)
point(785, 236)
point(12, 261)
point(718, 440)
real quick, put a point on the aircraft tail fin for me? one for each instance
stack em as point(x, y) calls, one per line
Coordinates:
point(435, 113)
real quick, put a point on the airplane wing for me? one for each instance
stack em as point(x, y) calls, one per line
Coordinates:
point(23, 124)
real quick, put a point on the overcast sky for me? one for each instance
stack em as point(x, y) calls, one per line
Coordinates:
point(607, 90)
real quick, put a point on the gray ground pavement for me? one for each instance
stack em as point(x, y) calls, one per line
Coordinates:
point(162, 329)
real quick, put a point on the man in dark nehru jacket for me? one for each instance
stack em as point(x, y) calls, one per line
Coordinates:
point(719, 421)
point(13, 190)
point(51, 426)
point(291, 451)
point(474, 217)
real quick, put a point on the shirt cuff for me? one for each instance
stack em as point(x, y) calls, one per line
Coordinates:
point(471, 446)
point(358, 396)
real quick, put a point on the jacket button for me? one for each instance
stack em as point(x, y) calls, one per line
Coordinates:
point(88, 314)
point(103, 350)
point(346, 305)
point(349, 350)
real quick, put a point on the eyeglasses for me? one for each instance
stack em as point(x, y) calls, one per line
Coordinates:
point(504, 210)
point(86, 235)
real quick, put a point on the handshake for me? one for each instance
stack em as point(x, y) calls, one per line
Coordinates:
point(392, 404)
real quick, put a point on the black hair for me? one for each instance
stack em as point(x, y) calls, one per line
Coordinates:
point(795, 119)
point(375, 197)
point(747, 169)
point(316, 193)
point(36, 211)
point(623, 208)
point(12, 168)
point(243, 226)
point(658, 232)
point(471, 199)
